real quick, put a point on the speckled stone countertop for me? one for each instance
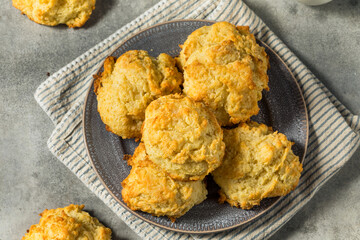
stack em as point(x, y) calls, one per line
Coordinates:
point(326, 38)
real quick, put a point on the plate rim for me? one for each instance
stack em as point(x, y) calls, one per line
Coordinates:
point(135, 212)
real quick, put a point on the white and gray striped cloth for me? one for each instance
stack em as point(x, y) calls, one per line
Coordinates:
point(333, 137)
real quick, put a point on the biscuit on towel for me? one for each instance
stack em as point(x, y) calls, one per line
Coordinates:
point(258, 163)
point(182, 137)
point(127, 87)
point(69, 223)
point(148, 188)
point(73, 13)
point(226, 69)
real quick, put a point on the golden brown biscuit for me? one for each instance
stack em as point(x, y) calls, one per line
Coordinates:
point(127, 87)
point(226, 69)
point(223, 32)
point(69, 223)
point(148, 188)
point(258, 163)
point(73, 13)
point(182, 137)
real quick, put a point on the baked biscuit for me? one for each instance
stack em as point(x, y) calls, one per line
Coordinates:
point(69, 223)
point(258, 163)
point(73, 13)
point(127, 87)
point(226, 69)
point(182, 137)
point(223, 32)
point(148, 188)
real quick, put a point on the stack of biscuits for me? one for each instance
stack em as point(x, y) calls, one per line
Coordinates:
point(192, 115)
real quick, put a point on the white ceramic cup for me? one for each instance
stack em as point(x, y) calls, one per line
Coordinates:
point(314, 2)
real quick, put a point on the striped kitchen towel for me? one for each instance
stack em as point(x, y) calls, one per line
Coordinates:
point(333, 134)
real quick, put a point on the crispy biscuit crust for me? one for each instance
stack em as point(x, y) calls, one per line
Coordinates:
point(73, 13)
point(226, 69)
point(69, 223)
point(182, 137)
point(126, 87)
point(258, 163)
point(148, 188)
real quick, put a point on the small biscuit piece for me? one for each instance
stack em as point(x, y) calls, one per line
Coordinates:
point(73, 13)
point(148, 188)
point(69, 223)
point(226, 69)
point(182, 137)
point(127, 87)
point(258, 163)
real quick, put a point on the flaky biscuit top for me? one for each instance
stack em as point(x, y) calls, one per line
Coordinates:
point(148, 188)
point(129, 85)
point(226, 69)
point(218, 33)
point(258, 163)
point(182, 137)
point(73, 13)
point(69, 223)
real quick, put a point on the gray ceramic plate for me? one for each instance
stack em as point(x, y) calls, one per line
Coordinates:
point(282, 108)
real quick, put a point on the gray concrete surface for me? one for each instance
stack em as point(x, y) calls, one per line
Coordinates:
point(326, 38)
